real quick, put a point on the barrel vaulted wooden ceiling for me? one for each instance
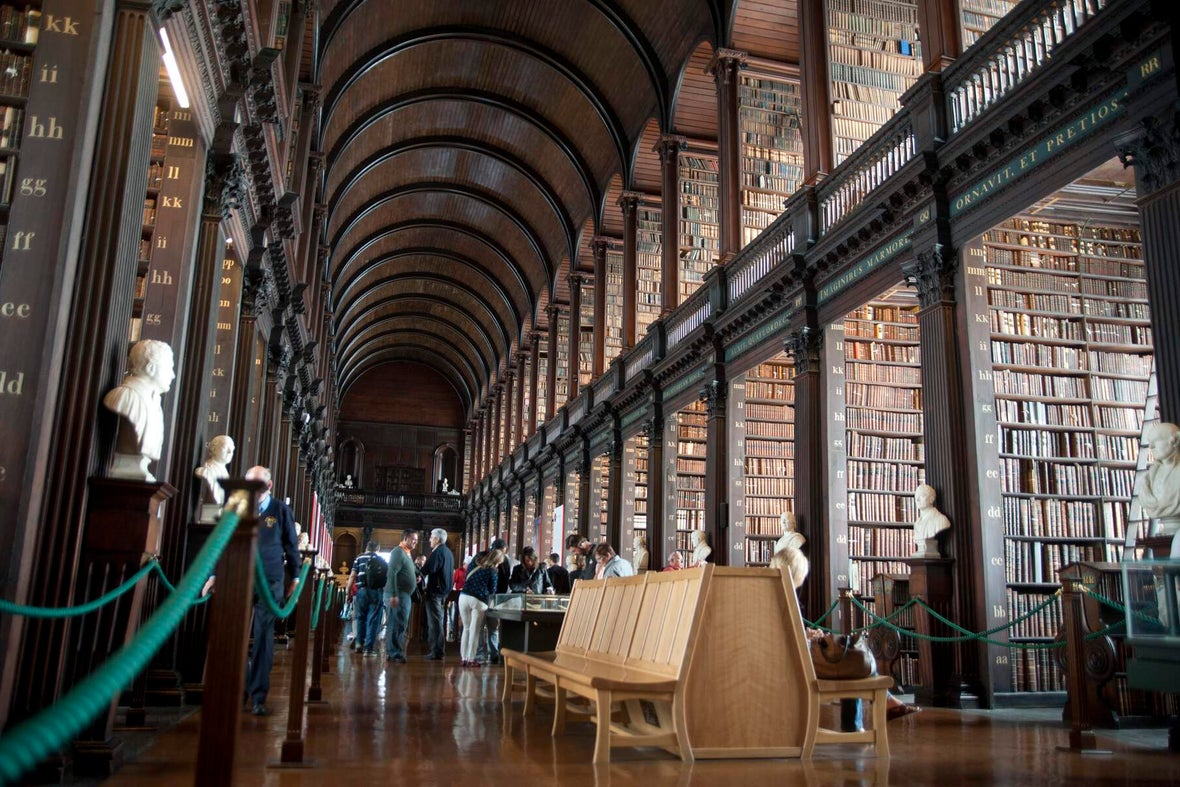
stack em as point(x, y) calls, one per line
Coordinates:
point(473, 148)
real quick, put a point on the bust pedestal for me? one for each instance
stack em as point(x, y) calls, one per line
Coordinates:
point(932, 581)
point(123, 527)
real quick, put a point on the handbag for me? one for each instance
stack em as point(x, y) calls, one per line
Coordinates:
point(842, 657)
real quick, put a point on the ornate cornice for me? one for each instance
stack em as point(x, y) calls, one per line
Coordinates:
point(1153, 149)
point(725, 64)
point(804, 347)
point(932, 274)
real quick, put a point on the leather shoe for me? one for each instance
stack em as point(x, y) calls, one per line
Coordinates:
point(260, 710)
point(434, 657)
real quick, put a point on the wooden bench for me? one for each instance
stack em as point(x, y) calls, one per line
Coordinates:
point(710, 662)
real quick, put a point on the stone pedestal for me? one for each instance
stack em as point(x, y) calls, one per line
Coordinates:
point(932, 581)
point(123, 526)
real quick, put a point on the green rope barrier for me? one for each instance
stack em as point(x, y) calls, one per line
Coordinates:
point(816, 624)
point(172, 588)
point(1101, 599)
point(996, 629)
point(32, 740)
point(315, 610)
point(10, 608)
point(268, 599)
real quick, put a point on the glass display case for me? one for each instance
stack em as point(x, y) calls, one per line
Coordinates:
point(530, 601)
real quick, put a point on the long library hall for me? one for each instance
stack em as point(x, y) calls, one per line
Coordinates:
point(590, 392)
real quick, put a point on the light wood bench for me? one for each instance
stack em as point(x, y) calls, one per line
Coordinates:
point(710, 662)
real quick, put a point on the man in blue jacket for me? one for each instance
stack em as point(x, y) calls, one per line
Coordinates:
point(278, 548)
point(439, 570)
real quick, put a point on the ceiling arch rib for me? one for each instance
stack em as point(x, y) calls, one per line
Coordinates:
point(559, 139)
point(410, 352)
point(437, 307)
point(455, 233)
point(439, 286)
point(488, 200)
point(390, 326)
point(360, 282)
point(503, 157)
point(422, 336)
point(463, 33)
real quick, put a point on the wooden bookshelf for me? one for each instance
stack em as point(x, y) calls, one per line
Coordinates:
point(883, 435)
point(544, 536)
point(699, 220)
point(542, 381)
point(691, 433)
point(976, 17)
point(635, 466)
point(648, 267)
point(613, 342)
point(768, 459)
point(890, 593)
point(769, 116)
point(1071, 361)
point(161, 123)
point(873, 57)
point(600, 502)
point(586, 334)
point(20, 28)
point(572, 501)
point(561, 381)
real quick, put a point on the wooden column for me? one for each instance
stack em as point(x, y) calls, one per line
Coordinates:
point(551, 366)
point(939, 32)
point(717, 466)
point(585, 470)
point(510, 412)
point(805, 347)
point(725, 66)
point(614, 504)
point(534, 374)
point(629, 202)
point(315, 692)
point(1153, 150)
point(245, 392)
point(269, 404)
point(473, 430)
point(654, 429)
point(498, 438)
point(229, 634)
point(518, 408)
point(522, 498)
point(291, 752)
point(598, 247)
point(67, 279)
point(816, 92)
point(944, 432)
point(668, 147)
point(222, 189)
point(574, 342)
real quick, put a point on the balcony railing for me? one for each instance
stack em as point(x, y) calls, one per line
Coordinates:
point(690, 316)
point(872, 164)
point(405, 501)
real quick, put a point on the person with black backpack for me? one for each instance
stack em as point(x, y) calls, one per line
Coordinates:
point(369, 572)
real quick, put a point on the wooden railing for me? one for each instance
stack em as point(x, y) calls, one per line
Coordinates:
point(640, 356)
point(690, 316)
point(408, 501)
point(1010, 53)
point(756, 260)
point(872, 164)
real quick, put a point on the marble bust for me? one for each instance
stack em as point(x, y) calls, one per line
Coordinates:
point(639, 557)
point(136, 400)
point(790, 537)
point(218, 454)
point(304, 538)
point(1159, 490)
point(700, 548)
point(929, 524)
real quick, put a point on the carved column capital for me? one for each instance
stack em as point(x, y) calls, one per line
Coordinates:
point(804, 346)
point(578, 278)
point(225, 187)
point(932, 274)
point(668, 146)
point(554, 310)
point(713, 395)
point(725, 64)
point(599, 247)
point(629, 201)
point(1153, 148)
point(653, 429)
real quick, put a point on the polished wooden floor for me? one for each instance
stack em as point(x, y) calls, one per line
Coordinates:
point(436, 723)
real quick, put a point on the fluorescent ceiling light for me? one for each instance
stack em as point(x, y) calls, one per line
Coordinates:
point(173, 69)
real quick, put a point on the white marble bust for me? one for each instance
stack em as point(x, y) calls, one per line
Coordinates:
point(136, 401)
point(304, 540)
point(700, 548)
point(639, 557)
point(790, 537)
point(929, 524)
point(218, 454)
point(1159, 490)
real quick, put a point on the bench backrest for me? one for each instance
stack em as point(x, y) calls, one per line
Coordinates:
point(618, 613)
point(577, 627)
point(666, 620)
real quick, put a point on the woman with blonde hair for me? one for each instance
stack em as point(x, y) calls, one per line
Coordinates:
point(477, 592)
